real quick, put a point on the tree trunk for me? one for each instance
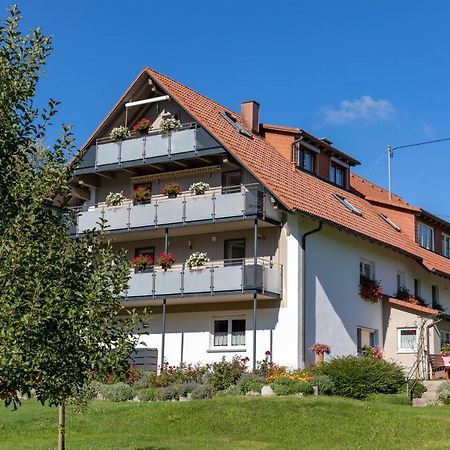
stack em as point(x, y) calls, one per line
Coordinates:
point(61, 426)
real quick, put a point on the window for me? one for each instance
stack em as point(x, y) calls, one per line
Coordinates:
point(367, 269)
point(407, 340)
point(232, 121)
point(417, 287)
point(365, 337)
point(228, 332)
point(390, 222)
point(337, 174)
point(446, 245)
point(306, 159)
point(348, 205)
point(231, 182)
point(434, 295)
point(401, 284)
point(445, 337)
point(234, 251)
point(426, 236)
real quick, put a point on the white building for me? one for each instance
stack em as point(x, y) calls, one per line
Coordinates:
point(287, 228)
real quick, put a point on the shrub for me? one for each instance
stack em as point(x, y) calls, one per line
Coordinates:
point(250, 382)
point(444, 393)
point(394, 399)
point(282, 372)
point(324, 383)
point(177, 375)
point(358, 377)
point(118, 392)
point(203, 391)
point(225, 373)
point(418, 390)
point(295, 386)
point(149, 394)
point(231, 391)
point(279, 389)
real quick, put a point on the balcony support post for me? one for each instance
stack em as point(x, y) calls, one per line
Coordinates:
point(255, 293)
point(163, 331)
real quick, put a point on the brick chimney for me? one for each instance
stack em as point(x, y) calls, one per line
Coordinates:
point(250, 115)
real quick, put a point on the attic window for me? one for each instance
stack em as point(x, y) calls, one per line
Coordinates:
point(390, 222)
point(238, 126)
point(348, 205)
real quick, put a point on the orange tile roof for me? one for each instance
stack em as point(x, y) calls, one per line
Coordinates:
point(405, 304)
point(295, 189)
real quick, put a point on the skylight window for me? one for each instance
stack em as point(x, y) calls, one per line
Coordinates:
point(348, 205)
point(390, 222)
point(232, 121)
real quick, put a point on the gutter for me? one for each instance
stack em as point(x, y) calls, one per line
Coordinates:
point(303, 288)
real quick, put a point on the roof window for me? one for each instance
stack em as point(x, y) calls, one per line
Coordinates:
point(238, 126)
point(348, 205)
point(390, 222)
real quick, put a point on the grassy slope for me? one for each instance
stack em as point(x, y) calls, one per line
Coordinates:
point(307, 423)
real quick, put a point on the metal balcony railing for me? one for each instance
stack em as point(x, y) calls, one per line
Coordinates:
point(235, 202)
point(140, 148)
point(239, 276)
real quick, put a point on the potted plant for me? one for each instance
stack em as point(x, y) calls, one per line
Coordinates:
point(141, 194)
point(141, 262)
point(172, 190)
point(370, 289)
point(197, 260)
point(199, 188)
point(119, 133)
point(169, 125)
point(142, 126)
point(166, 260)
point(404, 294)
point(114, 199)
point(320, 350)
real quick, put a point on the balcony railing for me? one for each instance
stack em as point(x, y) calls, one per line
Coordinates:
point(238, 276)
point(230, 203)
point(140, 148)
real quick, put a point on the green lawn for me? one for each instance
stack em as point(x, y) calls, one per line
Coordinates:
point(267, 423)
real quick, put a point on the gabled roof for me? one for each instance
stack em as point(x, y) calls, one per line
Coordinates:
point(296, 190)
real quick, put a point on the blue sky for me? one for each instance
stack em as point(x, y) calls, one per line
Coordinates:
point(363, 74)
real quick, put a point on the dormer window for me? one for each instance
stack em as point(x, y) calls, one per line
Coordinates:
point(338, 173)
point(426, 236)
point(446, 245)
point(306, 159)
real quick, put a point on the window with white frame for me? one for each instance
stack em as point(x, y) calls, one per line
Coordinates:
point(365, 337)
point(228, 332)
point(426, 236)
point(407, 340)
point(401, 283)
point(446, 245)
point(367, 268)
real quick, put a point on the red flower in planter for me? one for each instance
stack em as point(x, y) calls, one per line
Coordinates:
point(166, 260)
point(141, 262)
point(370, 289)
point(142, 125)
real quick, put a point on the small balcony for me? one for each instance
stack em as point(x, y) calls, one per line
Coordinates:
point(216, 278)
point(140, 148)
point(218, 204)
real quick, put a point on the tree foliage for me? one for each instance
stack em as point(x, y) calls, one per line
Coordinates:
point(60, 304)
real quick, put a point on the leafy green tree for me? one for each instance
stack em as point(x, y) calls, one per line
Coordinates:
point(61, 318)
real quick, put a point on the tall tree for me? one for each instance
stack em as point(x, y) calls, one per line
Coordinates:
point(60, 306)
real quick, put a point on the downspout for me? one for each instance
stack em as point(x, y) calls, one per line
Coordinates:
point(303, 286)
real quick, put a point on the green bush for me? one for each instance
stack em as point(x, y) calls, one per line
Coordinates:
point(225, 373)
point(118, 392)
point(203, 391)
point(231, 391)
point(324, 383)
point(295, 386)
point(358, 377)
point(149, 394)
point(418, 390)
point(93, 389)
point(444, 393)
point(394, 399)
point(279, 389)
point(250, 382)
